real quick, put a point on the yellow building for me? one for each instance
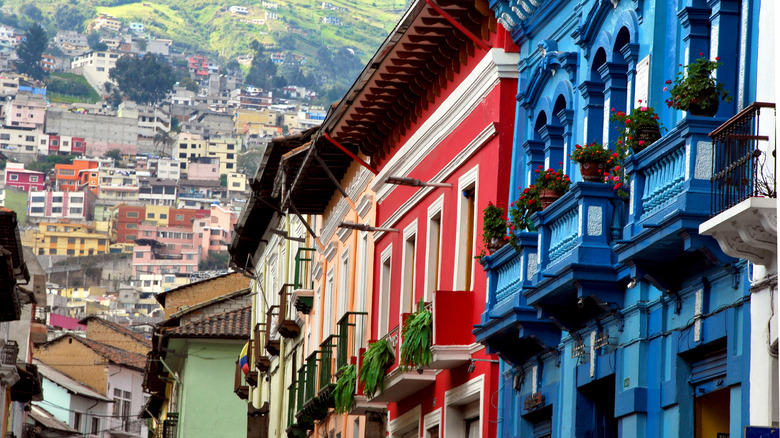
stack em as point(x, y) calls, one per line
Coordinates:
point(158, 214)
point(236, 183)
point(251, 120)
point(57, 238)
point(224, 148)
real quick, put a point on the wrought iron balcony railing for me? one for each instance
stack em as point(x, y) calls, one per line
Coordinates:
point(743, 159)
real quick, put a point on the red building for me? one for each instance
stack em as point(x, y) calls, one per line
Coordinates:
point(435, 108)
point(28, 180)
point(183, 217)
point(128, 220)
point(199, 65)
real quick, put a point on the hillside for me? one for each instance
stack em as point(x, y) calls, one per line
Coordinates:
point(209, 27)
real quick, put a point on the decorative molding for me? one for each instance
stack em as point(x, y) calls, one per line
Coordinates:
point(469, 94)
point(463, 156)
point(410, 230)
point(365, 204)
point(703, 166)
point(330, 251)
point(432, 419)
point(595, 220)
point(343, 234)
point(356, 186)
point(405, 420)
point(316, 271)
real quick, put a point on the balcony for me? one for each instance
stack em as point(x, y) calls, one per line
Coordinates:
point(125, 427)
point(262, 362)
point(286, 326)
point(744, 186)
point(510, 326)
point(272, 342)
point(400, 384)
point(351, 328)
point(452, 339)
point(670, 198)
point(303, 295)
point(577, 278)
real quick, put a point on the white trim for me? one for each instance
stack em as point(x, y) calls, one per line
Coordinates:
point(431, 419)
point(344, 234)
point(343, 284)
point(471, 177)
point(365, 204)
point(462, 395)
point(316, 272)
point(446, 171)
point(436, 208)
point(453, 110)
point(330, 251)
point(356, 186)
point(398, 425)
point(409, 232)
point(384, 326)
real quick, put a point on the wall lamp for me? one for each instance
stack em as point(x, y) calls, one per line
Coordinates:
point(472, 365)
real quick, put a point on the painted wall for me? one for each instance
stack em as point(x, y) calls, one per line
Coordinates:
point(207, 383)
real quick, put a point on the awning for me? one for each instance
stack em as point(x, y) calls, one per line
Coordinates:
point(152, 408)
point(28, 388)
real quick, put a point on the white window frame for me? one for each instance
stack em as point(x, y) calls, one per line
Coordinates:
point(469, 180)
point(431, 420)
point(327, 313)
point(432, 279)
point(343, 283)
point(405, 423)
point(361, 287)
point(408, 273)
point(385, 286)
point(463, 395)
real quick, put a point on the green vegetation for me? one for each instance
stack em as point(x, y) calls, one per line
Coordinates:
point(70, 88)
point(46, 164)
point(30, 51)
point(375, 361)
point(208, 26)
point(418, 337)
point(214, 261)
point(344, 392)
point(146, 80)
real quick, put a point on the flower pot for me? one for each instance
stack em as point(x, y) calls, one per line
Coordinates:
point(495, 244)
point(647, 133)
point(547, 197)
point(710, 100)
point(592, 171)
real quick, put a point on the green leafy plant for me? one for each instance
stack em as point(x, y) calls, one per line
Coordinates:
point(494, 226)
point(344, 392)
point(417, 338)
point(629, 127)
point(696, 86)
point(375, 360)
point(594, 152)
point(528, 203)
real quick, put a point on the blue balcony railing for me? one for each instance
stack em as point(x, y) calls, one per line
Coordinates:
point(578, 274)
point(669, 198)
point(508, 324)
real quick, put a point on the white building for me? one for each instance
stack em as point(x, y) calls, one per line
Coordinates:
point(95, 67)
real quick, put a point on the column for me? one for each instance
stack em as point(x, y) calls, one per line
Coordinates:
point(614, 77)
point(593, 94)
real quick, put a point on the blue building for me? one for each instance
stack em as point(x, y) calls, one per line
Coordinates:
point(617, 317)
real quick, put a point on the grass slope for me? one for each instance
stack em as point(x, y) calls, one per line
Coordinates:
point(93, 96)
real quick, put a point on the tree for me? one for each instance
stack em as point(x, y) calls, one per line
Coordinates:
point(93, 39)
point(262, 69)
point(223, 180)
point(68, 17)
point(32, 12)
point(145, 80)
point(114, 154)
point(30, 51)
point(164, 139)
point(46, 164)
point(189, 84)
point(215, 260)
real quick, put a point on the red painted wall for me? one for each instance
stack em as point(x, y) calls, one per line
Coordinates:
point(492, 185)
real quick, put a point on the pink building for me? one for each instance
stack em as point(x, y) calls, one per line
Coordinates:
point(203, 168)
point(26, 110)
point(214, 233)
point(28, 180)
point(165, 250)
point(57, 205)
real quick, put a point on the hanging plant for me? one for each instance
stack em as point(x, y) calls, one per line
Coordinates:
point(376, 359)
point(344, 392)
point(417, 337)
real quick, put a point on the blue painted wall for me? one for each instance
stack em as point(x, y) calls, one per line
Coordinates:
point(578, 60)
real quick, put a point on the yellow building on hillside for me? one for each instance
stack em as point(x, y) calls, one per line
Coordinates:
point(194, 146)
point(158, 214)
point(57, 238)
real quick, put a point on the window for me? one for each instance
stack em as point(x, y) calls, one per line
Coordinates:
point(384, 291)
point(71, 240)
point(326, 314)
point(132, 214)
point(56, 199)
point(236, 184)
point(433, 246)
point(34, 178)
point(229, 165)
point(36, 209)
point(77, 420)
point(131, 226)
point(464, 247)
point(139, 255)
point(71, 252)
point(463, 406)
point(163, 216)
point(151, 215)
point(95, 426)
point(53, 239)
point(409, 269)
point(13, 177)
point(179, 217)
point(76, 210)
point(29, 138)
point(5, 136)
point(343, 283)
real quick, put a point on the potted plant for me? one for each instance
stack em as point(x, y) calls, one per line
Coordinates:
point(493, 227)
point(344, 392)
point(376, 359)
point(637, 130)
point(549, 186)
point(417, 336)
point(695, 90)
point(592, 159)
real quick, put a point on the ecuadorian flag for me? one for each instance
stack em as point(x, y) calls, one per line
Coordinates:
point(243, 361)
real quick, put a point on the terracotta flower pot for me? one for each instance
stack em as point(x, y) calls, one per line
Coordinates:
point(647, 133)
point(495, 244)
point(592, 171)
point(547, 197)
